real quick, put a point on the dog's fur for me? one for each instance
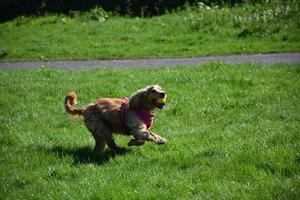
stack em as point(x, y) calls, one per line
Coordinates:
point(104, 117)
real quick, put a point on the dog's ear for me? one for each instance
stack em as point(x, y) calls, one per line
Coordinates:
point(136, 100)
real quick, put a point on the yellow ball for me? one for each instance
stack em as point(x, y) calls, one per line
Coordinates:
point(161, 100)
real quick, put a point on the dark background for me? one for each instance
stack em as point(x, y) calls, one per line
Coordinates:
point(10, 9)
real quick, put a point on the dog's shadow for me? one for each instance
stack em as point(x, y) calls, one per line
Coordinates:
point(86, 155)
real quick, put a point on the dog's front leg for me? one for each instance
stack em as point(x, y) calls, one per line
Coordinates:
point(158, 138)
point(140, 137)
point(144, 135)
point(136, 142)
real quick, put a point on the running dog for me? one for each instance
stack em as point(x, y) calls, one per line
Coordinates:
point(128, 116)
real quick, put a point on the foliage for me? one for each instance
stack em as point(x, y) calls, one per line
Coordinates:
point(255, 19)
point(10, 9)
point(97, 14)
point(232, 130)
point(194, 31)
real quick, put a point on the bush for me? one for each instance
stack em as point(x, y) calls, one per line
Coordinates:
point(10, 9)
point(97, 14)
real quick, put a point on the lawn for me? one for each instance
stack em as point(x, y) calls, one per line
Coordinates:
point(193, 31)
point(232, 130)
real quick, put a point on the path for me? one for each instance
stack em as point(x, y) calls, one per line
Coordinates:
point(284, 58)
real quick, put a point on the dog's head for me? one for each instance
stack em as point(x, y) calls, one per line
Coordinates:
point(148, 98)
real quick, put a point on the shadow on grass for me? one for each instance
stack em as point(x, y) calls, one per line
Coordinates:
point(85, 155)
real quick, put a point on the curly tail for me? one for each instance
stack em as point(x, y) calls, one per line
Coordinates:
point(70, 102)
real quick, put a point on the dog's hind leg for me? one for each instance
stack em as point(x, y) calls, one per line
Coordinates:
point(111, 143)
point(100, 144)
point(100, 134)
point(103, 135)
point(98, 129)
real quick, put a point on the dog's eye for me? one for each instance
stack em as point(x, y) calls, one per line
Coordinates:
point(153, 91)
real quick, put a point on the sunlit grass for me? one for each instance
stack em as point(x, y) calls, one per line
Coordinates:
point(194, 31)
point(232, 130)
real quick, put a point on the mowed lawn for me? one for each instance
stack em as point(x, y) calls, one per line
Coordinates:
point(193, 31)
point(232, 131)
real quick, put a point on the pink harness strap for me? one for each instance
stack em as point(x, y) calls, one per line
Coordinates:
point(123, 120)
point(146, 117)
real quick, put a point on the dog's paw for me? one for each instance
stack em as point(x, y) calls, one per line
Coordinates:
point(160, 140)
point(136, 142)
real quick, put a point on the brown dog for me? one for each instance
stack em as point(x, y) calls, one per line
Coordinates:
point(133, 116)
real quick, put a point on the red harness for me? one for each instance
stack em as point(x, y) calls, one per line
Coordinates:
point(126, 129)
point(144, 116)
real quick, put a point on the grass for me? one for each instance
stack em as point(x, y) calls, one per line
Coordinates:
point(232, 130)
point(194, 31)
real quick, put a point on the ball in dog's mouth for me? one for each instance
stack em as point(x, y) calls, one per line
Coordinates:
point(161, 100)
point(160, 103)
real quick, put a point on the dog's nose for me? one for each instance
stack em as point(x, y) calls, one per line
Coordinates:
point(162, 94)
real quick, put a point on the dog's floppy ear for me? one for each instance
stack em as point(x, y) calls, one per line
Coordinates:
point(136, 100)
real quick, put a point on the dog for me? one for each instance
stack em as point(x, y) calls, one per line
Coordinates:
point(128, 116)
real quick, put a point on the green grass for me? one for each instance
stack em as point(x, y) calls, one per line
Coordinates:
point(194, 31)
point(232, 130)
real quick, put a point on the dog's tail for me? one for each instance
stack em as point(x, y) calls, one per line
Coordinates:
point(70, 102)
